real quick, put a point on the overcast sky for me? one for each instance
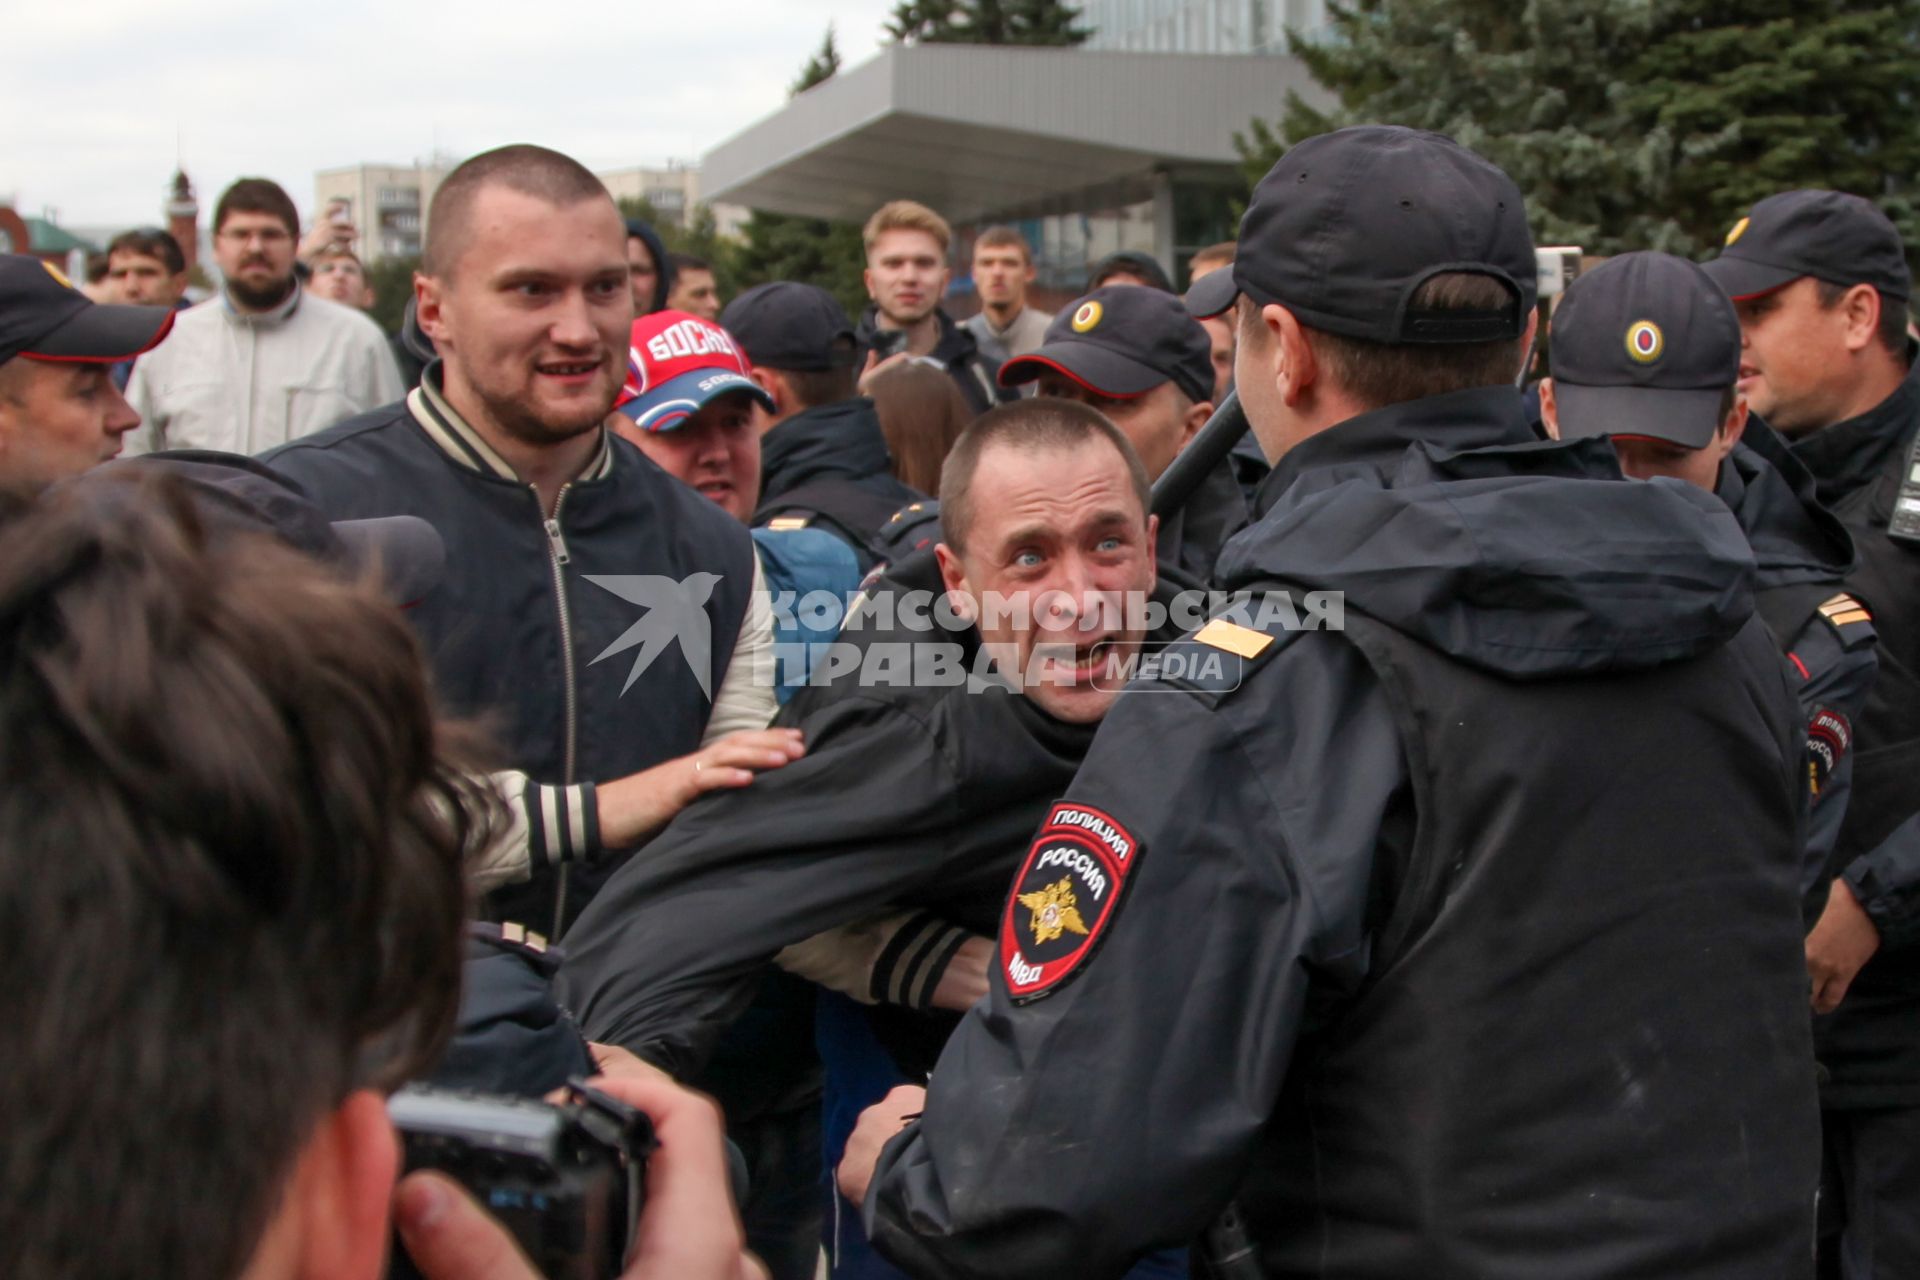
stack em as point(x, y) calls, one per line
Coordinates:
point(93, 93)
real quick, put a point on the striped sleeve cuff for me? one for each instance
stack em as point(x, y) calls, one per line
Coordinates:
point(563, 824)
point(910, 966)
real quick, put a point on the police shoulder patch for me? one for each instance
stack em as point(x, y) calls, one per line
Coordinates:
point(1064, 898)
point(1849, 618)
point(1828, 737)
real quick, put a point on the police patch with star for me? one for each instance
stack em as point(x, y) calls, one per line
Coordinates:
point(1063, 898)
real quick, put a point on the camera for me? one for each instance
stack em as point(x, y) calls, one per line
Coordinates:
point(567, 1180)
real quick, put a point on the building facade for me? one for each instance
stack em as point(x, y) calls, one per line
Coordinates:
point(388, 203)
point(673, 191)
point(1085, 151)
point(1200, 26)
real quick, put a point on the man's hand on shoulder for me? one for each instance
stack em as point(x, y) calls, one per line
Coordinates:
point(633, 808)
point(689, 1229)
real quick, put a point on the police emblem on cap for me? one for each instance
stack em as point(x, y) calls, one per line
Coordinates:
point(1064, 898)
point(1739, 229)
point(1087, 316)
point(1645, 342)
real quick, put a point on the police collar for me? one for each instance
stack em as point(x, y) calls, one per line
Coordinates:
point(1850, 453)
point(1477, 418)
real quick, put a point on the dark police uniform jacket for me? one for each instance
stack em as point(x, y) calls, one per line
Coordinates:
point(1871, 1044)
point(519, 632)
point(1462, 943)
point(911, 795)
point(1802, 554)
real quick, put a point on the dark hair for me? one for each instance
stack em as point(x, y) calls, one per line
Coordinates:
point(921, 414)
point(230, 875)
point(815, 387)
point(1129, 263)
point(1005, 238)
point(1893, 314)
point(532, 171)
point(1378, 374)
point(97, 264)
point(256, 195)
point(1042, 422)
point(150, 242)
point(688, 262)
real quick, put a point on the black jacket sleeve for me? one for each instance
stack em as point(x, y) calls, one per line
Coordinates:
point(1831, 679)
point(670, 949)
point(1116, 1111)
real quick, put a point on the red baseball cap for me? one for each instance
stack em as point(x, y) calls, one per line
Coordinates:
point(677, 365)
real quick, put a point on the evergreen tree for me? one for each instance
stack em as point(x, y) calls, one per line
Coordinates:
point(783, 246)
point(1011, 22)
point(1634, 124)
point(822, 66)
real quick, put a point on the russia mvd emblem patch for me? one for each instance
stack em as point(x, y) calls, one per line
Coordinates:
point(1063, 898)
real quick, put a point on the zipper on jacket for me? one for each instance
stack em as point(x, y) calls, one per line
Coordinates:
point(557, 557)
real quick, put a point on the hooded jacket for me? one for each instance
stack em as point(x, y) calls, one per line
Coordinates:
point(829, 465)
point(1463, 942)
point(1871, 1043)
point(662, 264)
point(956, 351)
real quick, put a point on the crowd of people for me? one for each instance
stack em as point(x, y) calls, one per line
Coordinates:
point(1462, 820)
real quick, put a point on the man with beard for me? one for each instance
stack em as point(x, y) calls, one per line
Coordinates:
point(594, 610)
point(263, 362)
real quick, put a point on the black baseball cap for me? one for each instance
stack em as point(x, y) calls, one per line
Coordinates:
point(787, 325)
point(43, 316)
point(1133, 263)
point(1347, 225)
point(234, 493)
point(1828, 235)
point(1122, 341)
point(1644, 345)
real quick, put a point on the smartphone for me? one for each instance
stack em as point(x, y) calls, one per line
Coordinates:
point(889, 342)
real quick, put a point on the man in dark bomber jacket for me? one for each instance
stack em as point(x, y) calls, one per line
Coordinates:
point(596, 614)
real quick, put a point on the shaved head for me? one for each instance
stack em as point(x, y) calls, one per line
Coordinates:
point(534, 171)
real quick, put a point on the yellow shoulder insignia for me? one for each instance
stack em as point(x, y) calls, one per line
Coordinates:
point(787, 524)
point(1240, 641)
point(1843, 609)
point(521, 936)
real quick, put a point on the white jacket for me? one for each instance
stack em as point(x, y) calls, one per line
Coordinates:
point(245, 383)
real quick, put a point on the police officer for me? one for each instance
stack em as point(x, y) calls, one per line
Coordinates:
point(1415, 938)
point(1137, 356)
point(59, 410)
point(1820, 282)
point(1646, 352)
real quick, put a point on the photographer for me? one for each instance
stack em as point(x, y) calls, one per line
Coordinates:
point(231, 843)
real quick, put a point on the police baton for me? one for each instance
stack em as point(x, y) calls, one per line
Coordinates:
point(1203, 453)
